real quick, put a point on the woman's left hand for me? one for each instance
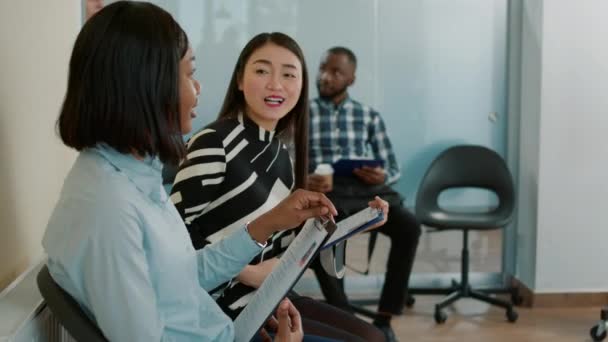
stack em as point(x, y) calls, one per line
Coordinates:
point(379, 203)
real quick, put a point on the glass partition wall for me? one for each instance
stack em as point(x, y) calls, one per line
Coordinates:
point(435, 69)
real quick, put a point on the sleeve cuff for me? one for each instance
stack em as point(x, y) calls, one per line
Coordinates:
point(259, 244)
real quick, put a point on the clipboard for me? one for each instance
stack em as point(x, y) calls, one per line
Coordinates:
point(354, 224)
point(345, 167)
point(292, 264)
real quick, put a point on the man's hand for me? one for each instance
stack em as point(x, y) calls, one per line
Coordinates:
point(319, 183)
point(370, 175)
point(288, 327)
point(293, 210)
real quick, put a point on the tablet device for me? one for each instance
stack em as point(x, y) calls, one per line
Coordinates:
point(345, 167)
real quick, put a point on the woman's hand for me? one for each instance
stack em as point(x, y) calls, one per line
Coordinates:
point(293, 210)
point(379, 203)
point(288, 327)
point(254, 275)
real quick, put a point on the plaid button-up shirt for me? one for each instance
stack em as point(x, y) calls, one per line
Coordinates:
point(349, 130)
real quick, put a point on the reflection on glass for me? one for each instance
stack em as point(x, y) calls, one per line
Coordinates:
point(434, 69)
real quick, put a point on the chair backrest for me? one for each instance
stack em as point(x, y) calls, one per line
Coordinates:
point(67, 310)
point(466, 166)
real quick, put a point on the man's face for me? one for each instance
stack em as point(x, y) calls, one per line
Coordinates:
point(336, 74)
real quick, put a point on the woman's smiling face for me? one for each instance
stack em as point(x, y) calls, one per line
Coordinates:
point(271, 84)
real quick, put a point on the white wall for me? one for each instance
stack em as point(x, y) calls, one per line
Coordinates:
point(573, 173)
point(564, 154)
point(36, 39)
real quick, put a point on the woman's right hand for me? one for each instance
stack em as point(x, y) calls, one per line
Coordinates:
point(293, 210)
point(290, 323)
point(287, 326)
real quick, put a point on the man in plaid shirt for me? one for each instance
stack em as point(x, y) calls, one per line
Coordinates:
point(342, 128)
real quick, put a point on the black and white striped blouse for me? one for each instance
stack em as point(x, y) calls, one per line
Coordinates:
point(234, 172)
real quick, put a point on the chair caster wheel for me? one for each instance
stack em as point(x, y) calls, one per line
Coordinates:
point(440, 317)
point(410, 301)
point(598, 332)
point(512, 315)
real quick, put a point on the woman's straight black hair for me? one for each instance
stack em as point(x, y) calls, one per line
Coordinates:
point(123, 82)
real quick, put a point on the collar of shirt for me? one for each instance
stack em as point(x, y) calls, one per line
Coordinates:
point(252, 129)
point(145, 174)
point(329, 104)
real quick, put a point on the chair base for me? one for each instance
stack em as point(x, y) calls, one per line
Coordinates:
point(468, 292)
point(464, 290)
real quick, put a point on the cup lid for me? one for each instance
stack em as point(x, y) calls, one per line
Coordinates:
point(324, 169)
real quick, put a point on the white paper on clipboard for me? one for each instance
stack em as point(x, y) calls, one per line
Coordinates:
point(291, 266)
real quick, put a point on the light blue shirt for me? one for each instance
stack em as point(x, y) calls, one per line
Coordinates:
point(116, 243)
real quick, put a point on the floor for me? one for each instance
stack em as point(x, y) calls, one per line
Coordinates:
point(471, 320)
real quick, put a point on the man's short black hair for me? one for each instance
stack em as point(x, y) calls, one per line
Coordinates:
point(123, 82)
point(345, 51)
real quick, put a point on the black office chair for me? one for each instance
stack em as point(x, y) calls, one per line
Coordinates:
point(598, 331)
point(459, 167)
point(67, 310)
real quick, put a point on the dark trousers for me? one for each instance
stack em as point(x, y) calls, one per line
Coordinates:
point(401, 228)
point(324, 322)
point(321, 319)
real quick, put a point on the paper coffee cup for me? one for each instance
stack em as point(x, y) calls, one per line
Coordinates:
point(327, 172)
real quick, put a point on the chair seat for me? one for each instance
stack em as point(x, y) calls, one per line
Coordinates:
point(476, 221)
